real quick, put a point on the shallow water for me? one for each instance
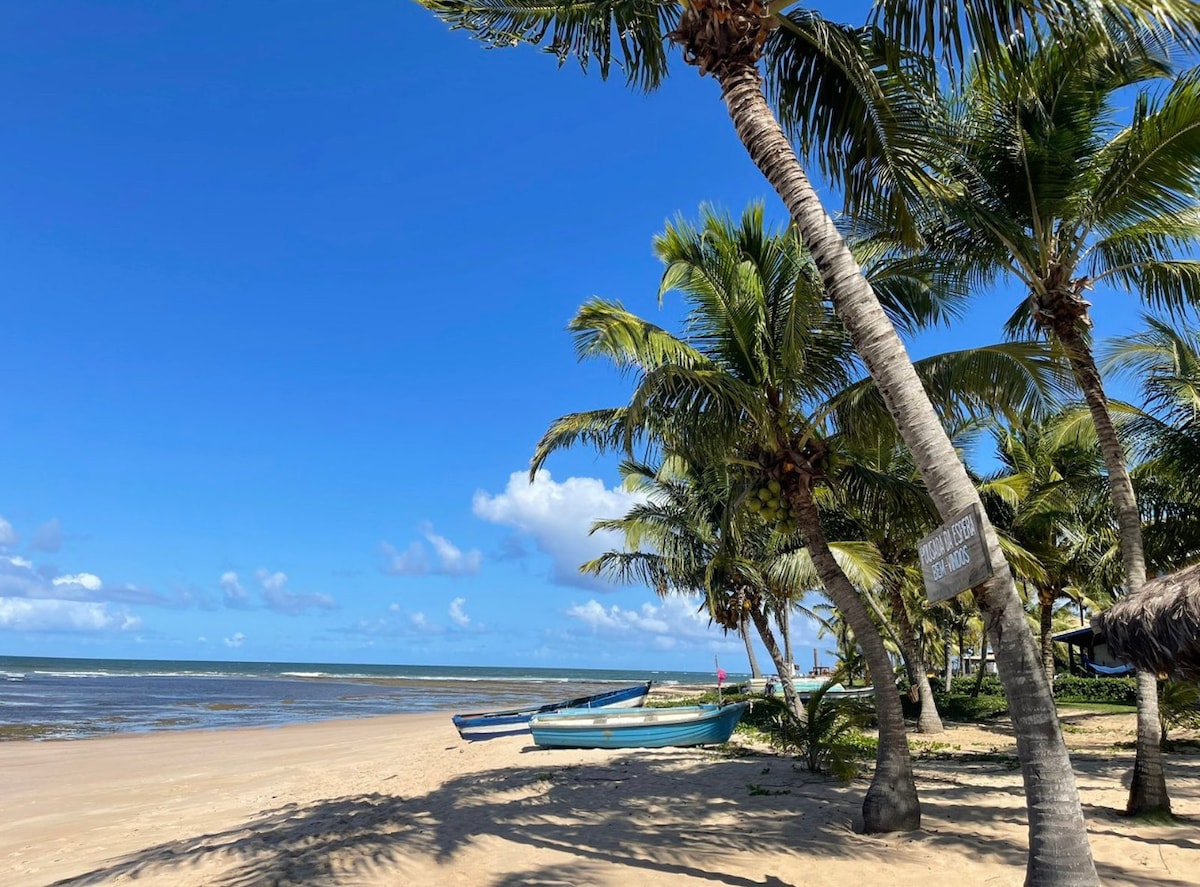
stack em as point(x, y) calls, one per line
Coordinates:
point(76, 698)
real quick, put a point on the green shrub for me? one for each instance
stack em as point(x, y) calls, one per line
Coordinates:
point(1119, 691)
point(830, 739)
point(965, 686)
point(963, 707)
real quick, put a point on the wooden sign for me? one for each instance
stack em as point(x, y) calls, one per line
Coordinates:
point(954, 557)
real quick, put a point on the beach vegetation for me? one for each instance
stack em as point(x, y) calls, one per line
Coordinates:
point(1178, 707)
point(829, 740)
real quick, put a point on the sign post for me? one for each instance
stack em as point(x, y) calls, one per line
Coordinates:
point(954, 556)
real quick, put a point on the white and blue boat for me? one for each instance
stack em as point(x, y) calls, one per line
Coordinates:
point(637, 727)
point(490, 724)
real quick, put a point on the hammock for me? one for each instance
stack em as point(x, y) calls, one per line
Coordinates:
point(1106, 670)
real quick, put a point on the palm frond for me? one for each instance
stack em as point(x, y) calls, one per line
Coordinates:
point(604, 430)
point(629, 33)
point(1152, 168)
point(859, 119)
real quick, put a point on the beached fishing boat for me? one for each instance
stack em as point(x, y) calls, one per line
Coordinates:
point(490, 724)
point(637, 727)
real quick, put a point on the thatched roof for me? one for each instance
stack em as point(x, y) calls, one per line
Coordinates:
point(1158, 628)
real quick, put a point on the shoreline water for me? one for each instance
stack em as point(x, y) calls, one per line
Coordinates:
point(44, 698)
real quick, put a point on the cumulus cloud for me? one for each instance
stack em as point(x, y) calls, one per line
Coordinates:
point(48, 537)
point(674, 621)
point(447, 558)
point(559, 517)
point(26, 614)
point(457, 615)
point(279, 599)
point(235, 640)
point(235, 595)
point(8, 536)
point(86, 581)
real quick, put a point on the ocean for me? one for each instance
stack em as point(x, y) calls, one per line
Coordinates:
point(44, 698)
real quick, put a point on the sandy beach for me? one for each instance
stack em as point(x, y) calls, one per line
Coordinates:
point(401, 800)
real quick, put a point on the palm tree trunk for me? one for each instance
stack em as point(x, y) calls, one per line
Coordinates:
point(785, 629)
point(1046, 606)
point(979, 675)
point(948, 677)
point(1148, 789)
point(929, 721)
point(1059, 853)
point(755, 671)
point(891, 803)
point(790, 697)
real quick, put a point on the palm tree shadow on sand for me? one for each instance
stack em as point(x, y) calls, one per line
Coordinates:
point(621, 821)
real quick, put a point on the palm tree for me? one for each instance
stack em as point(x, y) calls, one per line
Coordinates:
point(689, 536)
point(1043, 187)
point(878, 493)
point(1156, 629)
point(1048, 479)
point(727, 38)
point(760, 344)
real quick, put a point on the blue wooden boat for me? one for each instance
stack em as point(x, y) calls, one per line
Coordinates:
point(637, 727)
point(490, 724)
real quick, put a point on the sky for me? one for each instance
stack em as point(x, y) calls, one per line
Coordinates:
point(285, 302)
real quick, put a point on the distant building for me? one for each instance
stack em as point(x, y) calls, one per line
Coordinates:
point(1088, 654)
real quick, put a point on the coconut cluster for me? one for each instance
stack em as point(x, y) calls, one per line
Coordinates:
point(769, 503)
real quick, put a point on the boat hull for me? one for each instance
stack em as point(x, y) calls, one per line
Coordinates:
point(637, 728)
point(513, 722)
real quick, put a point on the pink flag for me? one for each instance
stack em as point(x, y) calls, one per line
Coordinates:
point(720, 676)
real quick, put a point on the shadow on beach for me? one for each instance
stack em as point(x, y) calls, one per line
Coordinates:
point(677, 813)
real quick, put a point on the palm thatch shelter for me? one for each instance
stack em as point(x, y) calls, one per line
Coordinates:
point(1158, 628)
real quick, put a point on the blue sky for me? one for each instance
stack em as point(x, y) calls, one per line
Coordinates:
point(285, 299)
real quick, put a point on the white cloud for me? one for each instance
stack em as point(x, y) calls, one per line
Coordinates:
point(279, 599)
point(48, 537)
point(236, 640)
point(448, 559)
point(25, 614)
point(558, 517)
point(410, 562)
point(453, 561)
point(235, 595)
point(8, 536)
point(673, 619)
point(19, 577)
point(457, 615)
point(88, 581)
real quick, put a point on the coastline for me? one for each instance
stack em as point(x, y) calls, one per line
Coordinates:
point(55, 699)
point(400, 798)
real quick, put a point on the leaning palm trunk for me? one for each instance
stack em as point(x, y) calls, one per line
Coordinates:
point(1148, 789)
point(743, 630)
point(929, 721)
point(891, 803)
point(1059, 853)
point(790, 697)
